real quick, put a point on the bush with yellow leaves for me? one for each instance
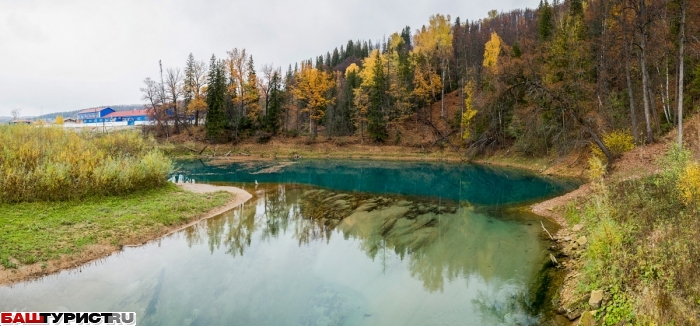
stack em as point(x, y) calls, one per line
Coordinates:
point(617, 141)
point(52, 163)
point(689, 184)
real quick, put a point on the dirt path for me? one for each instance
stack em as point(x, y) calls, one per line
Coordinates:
point(95, 253)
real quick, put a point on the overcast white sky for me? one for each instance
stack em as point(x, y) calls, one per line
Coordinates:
point(74, 54)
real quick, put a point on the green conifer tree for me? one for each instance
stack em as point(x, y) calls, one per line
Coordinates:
point(216, 101)
point(335, 58)
point(377, 95)
point(275, 103)
point(545, 21)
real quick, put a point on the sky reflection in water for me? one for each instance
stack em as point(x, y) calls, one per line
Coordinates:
point(303, 255)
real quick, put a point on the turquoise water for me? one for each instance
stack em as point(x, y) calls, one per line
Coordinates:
point(477, 184)
point(328, 243)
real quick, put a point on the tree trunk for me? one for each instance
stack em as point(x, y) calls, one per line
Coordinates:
point(652, 106)
point(664, 105)
point(645, 81)
point(681, 49)
point(633, 115)
point(596, 138)
point(442, 96)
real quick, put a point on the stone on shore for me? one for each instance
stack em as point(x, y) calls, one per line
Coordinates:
point(596, 299)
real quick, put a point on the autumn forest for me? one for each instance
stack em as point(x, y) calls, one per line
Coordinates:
point(542, 81)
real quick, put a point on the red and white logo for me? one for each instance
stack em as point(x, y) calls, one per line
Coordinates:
point(67, 318)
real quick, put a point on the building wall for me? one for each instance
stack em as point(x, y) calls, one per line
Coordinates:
point(92, 117)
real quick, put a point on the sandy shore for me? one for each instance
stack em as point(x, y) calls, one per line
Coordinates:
point(102, 251)
point(552, 208)
point(241, 196)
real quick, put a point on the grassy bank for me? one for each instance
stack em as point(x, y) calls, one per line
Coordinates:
point(643, 248)
point(41, 231)
point(53, 163)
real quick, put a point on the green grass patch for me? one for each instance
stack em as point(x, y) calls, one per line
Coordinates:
point(40, 231)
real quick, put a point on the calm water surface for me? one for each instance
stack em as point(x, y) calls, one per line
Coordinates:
point(328, 243)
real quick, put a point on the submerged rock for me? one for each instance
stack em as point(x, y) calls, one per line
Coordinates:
point(577, 227)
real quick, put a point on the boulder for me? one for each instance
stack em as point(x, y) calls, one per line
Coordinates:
point(587, 319)
point(560, 320)
point(573, 315)
point(577, 227)
point(596, 299)
point(582, 241)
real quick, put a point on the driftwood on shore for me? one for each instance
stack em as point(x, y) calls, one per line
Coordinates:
point(194, 150)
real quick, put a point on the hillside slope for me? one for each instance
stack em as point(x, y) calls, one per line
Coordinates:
point(639, 242)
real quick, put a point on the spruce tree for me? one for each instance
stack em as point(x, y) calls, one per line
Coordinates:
point(335, 58)
point(189, 79)
point(377, 93)
point(576, 8)
point(364, 53)
point(346, 106)
point(546, 21)
point(349, 50)
point(271, 121)
point(406, 35)
point(216, 101)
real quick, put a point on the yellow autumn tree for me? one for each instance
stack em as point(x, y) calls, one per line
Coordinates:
point(436, 39)
point(368, 65)
point(361, 98)
point(312, 91)
point(398, 65)
point(352, 68)
point(59, 120)
point(427, 83)
point(435, 44)
point(491, 52)
point(197, 104)
point(395, 42)
point(469, 111)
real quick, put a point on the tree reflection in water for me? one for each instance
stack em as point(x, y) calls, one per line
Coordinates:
point(443, 240)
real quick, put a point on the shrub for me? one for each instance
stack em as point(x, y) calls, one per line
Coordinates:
point(689, 184)
point(617, 141)
point(47, 164)
point(642, 244)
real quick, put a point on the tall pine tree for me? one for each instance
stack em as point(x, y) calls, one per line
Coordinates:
point(377, 94)
point(545, 24)
point(271, 121)
point(216, 101)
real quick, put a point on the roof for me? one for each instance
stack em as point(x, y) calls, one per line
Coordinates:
point(133, 113)
point(93, 110)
